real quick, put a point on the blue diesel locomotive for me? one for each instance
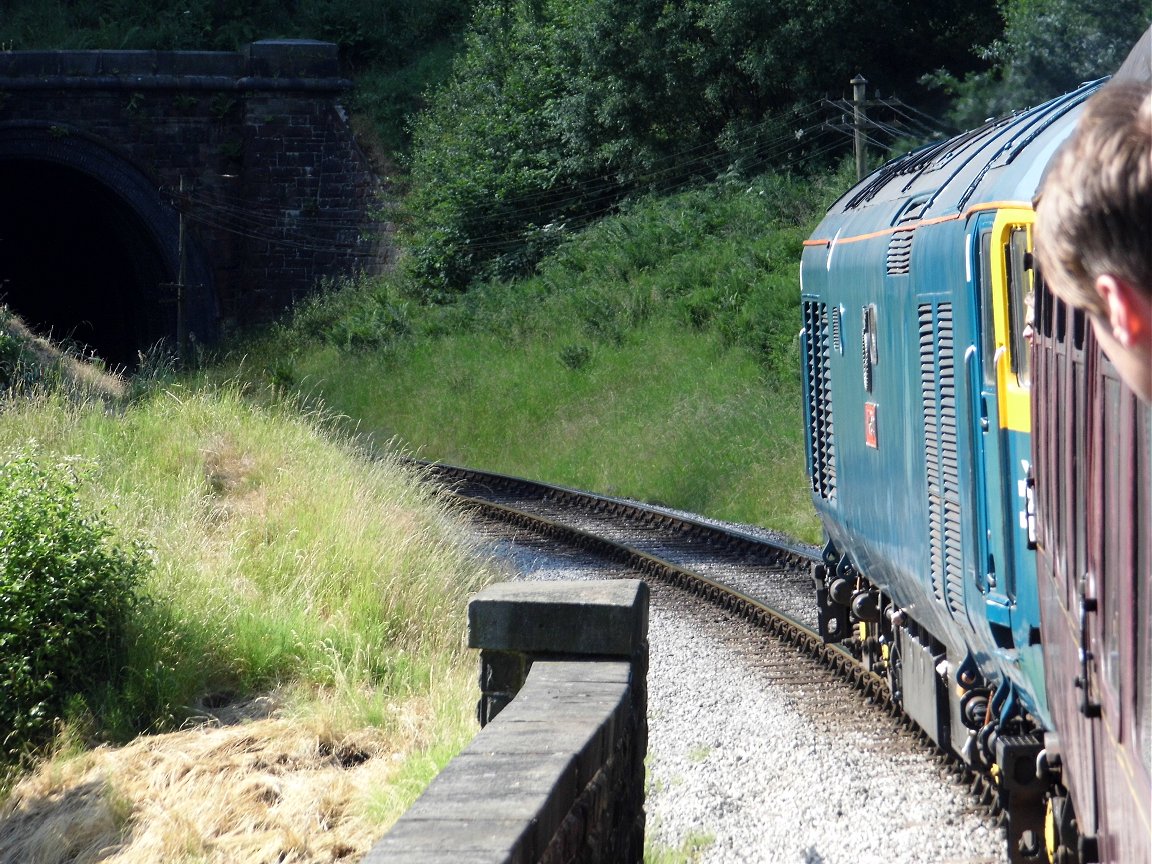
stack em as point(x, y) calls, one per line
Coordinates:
point(918, 295)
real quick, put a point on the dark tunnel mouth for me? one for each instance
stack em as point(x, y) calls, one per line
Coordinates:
point(89, 249)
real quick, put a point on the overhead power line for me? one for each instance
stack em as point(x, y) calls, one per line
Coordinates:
point(782, 139)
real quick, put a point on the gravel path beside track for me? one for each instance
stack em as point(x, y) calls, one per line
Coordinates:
point(776, 771)
point(756, 766)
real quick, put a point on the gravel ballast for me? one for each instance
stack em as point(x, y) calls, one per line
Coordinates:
point(747, 763)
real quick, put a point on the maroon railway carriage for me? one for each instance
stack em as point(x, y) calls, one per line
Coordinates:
point(1092, 455)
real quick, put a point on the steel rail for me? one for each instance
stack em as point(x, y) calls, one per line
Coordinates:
point(467, 488)
point(784, 556)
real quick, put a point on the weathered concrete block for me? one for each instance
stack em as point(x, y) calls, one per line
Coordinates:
point(504, 799)
point(200, 64)
point(458, 841)
point(608, 618)
point(559, 778)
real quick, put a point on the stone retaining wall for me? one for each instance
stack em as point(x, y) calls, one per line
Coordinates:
point(556, 774)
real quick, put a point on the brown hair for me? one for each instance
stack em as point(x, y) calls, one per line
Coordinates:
point(1094, 208)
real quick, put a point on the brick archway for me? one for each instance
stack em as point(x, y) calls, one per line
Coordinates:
point(279, 199)
point(89, 247)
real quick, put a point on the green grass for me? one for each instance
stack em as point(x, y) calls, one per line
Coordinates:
point(666, 416)
point(689, 851)
point(654, 356)
point(284, 556)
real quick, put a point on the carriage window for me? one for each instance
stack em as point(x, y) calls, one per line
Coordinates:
point(1080, 424)
point(1018, 261)
point(1114, 545)
point(1044, 303)
point(1144, 671)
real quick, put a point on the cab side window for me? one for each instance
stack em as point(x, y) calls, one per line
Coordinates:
point(987, 315)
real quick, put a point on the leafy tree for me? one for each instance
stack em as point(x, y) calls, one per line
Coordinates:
point(555, 111)
point(1048, 48)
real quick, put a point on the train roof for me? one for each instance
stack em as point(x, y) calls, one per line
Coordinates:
point(1138, 66)
point(1001, 162)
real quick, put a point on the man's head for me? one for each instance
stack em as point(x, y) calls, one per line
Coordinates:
point(1094, 225)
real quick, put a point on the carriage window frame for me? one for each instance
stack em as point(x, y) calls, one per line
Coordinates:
point(1080, 476)
point(1114, 546)
point(1141, 607)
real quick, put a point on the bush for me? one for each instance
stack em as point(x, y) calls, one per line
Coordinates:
point(555, 113)
point(1048, 47)
point(66, 593)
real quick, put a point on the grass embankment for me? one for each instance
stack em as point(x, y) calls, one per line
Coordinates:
point(306, 598)
point(297, 583)
point(654, 356)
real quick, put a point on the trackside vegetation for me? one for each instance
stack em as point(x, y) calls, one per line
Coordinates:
point(270, 557)
point(67, 593)
point(654, 355)
point(555, 112)
point(172, 557)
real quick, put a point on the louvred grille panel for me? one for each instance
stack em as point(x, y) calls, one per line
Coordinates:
point(938, 392)
point(816, 325)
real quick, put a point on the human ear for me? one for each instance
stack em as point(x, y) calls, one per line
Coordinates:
point(1129, 312)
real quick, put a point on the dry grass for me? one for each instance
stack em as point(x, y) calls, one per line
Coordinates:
point(82, 378)
point(267, 790)
point(285, 557)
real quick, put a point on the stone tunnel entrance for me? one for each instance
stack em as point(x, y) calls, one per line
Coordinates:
point(89, 250)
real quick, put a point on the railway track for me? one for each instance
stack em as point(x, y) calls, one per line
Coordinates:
point(763, 581)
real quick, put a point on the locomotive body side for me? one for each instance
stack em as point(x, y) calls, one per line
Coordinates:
point(915, 290)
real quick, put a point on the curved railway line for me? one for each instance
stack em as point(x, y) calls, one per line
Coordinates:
point(761, 580)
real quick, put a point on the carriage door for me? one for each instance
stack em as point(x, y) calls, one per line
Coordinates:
point(998, 373)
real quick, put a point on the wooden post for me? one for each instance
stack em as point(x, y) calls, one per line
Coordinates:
point(181, 279)
point(859, 122)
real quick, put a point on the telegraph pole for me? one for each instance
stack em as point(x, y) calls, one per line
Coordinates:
point(181, 279)
point(177, 292)
point(859, 121)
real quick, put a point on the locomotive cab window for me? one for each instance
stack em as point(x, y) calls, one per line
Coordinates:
point(1005, 302)
point(987, 314)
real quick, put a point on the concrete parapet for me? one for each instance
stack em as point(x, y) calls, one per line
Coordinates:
point(559, 776)
point(515, 623)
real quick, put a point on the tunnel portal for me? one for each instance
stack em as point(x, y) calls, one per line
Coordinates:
point(79, 264)
point(277, 196)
